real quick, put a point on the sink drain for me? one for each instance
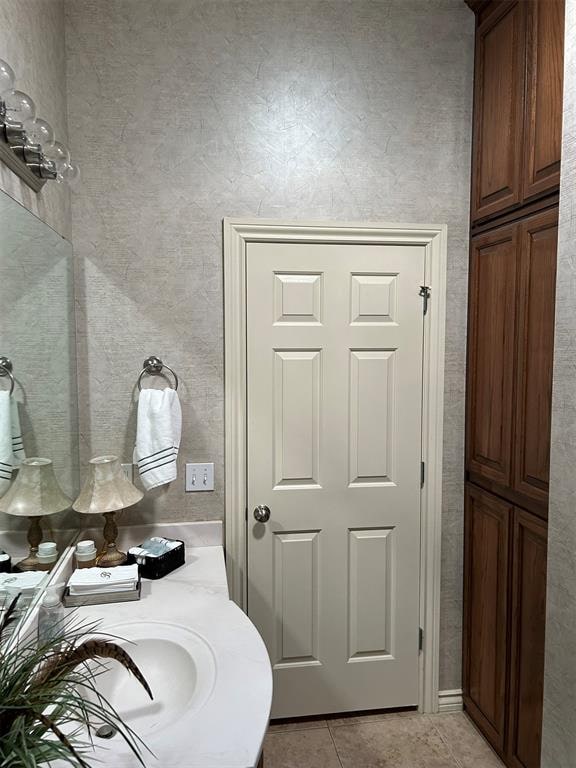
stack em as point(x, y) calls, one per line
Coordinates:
point(106, 732)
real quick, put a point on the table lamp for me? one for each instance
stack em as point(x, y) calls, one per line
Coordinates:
point(34, 493)
point(106, 491)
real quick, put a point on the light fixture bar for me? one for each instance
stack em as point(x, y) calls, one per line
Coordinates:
point(27, 144)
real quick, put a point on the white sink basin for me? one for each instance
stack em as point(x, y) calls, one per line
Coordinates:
point(207, 667)
point(178, 665)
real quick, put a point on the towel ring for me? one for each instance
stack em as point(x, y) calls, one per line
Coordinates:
point(6, 370)
point(152, 365)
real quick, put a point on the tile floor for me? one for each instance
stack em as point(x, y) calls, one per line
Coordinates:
point(390, 740)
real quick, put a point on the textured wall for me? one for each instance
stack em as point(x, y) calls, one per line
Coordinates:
point(190, 111)
point(32, 42)
point(559, 737)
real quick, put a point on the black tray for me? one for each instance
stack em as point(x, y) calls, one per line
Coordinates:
point(156, 567)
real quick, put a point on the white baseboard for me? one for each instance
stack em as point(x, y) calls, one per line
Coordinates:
point(450, 701)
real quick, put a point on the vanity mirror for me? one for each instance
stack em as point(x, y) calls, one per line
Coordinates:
point(38, 398)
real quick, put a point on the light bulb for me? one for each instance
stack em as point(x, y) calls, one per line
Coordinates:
point(7, 77)
point(38, 131)
point(60, 156)
point(19, 106)
point(71, 174)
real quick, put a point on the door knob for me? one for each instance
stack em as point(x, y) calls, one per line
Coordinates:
point(262, 513)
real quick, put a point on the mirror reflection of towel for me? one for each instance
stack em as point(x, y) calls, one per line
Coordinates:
point(157, 436)
point(11, 445)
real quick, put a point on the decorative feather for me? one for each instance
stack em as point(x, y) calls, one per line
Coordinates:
point(65, 661)
point(8, 616)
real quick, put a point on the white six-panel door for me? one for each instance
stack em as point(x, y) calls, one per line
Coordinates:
point(334, 340)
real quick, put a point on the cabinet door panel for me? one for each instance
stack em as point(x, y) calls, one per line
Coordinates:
point(491, 354)
point(528, 607)
point(487, 521)
point(536, 295)
point(543, 119)
point(498, 109)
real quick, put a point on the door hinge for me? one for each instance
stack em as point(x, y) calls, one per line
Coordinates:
point(425, 293)
point(246, 514)
point(422, 473)
point(420, 639)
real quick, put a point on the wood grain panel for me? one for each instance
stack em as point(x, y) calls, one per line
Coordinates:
point(535, 348)
point(544, 75)
point(491, 354)
point(498, 109)
point(487, 522)
point(507, 493)
point(514, 215)
point(527, 641)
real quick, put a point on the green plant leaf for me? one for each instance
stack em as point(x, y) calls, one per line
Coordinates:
point(45, 712)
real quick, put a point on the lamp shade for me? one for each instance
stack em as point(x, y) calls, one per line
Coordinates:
point(106, 489)
point(35, 491)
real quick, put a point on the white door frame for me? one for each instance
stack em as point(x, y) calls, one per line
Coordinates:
point(239, 232)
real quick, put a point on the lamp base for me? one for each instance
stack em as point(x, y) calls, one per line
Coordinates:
point(29, 563)
point(111, 557)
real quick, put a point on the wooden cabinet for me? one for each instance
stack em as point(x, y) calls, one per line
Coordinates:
point(528, 618)
point(510, 355)
point(491, 338)
point(504, 620)
point(487, 524)
point(543, 113)
point(498, 109)
point(514, 232)
point(517, 103)
point(538, 238)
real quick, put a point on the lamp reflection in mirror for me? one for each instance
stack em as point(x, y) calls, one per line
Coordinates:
point(106, 491)
point(34, 493)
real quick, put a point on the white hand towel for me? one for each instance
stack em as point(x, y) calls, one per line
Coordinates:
point(87, 581)
point(11, 445)
point(25, 582)
point(157, 436)
point(17, 439)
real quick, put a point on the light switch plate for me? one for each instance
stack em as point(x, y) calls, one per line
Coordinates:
point(199, 477)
